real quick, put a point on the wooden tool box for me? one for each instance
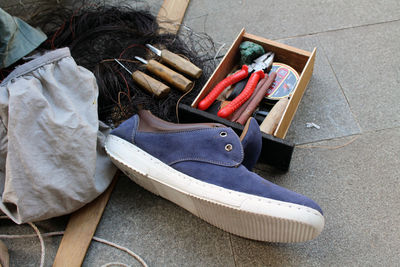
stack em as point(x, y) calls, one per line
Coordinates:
point(276, 151)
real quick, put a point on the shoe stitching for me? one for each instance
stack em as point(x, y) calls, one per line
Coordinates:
point(204, 184)
point(227, 206)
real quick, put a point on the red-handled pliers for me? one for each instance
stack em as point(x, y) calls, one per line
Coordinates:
point(256, 69)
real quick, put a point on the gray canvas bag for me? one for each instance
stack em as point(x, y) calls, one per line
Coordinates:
point(52, 159)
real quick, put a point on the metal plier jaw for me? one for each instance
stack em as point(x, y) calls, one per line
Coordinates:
point(257, 69)
point(263, 63)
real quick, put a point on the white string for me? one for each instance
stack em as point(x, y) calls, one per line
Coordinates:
point(219, 50)
point(32, 235)
point(100, 240)
point(130, 252)
point(42, 247)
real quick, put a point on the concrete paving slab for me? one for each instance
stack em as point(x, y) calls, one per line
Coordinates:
point(323, 102)
point(162, 233)
point(357, 188)
point(279, 19)
point(26, 251)
point(357, 185)
point(366, 62)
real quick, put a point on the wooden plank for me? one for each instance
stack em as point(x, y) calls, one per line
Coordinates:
point(171, 15)
point(296, 97)
point(4, 256)
point(80, 230)
point(83, 223)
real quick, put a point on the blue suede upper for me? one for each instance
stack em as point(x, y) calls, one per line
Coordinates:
point(127, 129)
point(242, 180)
point(204, 145)
point(202, 154)
point(252, 144)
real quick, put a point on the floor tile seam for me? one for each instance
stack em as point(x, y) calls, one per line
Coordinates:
point(338, 82)
point(348, 136)
point(335, 30)
point(330, 139)
point(232, 250)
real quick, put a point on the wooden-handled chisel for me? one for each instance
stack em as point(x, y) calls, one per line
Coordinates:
point(177, 62)
point(151, 85)
point(175, 79)
point(273, 118)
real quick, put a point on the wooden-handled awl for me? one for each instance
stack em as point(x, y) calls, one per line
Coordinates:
point(150, 84)
point(177, 62)
point(175, 79)
point(270, 123)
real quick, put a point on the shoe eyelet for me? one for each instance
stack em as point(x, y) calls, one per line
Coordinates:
point(228, 147)
point(223, 134)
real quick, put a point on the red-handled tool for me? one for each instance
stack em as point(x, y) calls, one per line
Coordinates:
point(210, 98)
point(243, 96)
point(260, 64)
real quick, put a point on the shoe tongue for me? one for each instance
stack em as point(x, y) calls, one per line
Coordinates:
point(251, 139)
point(151, 123)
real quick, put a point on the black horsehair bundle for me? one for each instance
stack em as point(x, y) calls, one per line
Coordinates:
point(97, 33)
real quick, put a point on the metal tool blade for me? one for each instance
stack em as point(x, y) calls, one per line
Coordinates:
point(141, 60)
point(154, 50)
point(263, 57)
point(130, 72)
point(263, 62)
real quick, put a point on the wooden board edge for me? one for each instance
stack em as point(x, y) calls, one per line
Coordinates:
point(171, 15)
point(294, 102)
point(277, 44)
point(80, 230)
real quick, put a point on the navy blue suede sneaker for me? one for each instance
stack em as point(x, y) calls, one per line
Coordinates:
point(200, 168)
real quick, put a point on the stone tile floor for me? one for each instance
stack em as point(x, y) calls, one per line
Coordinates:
point(353, 96)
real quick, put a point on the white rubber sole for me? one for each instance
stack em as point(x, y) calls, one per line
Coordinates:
point(235, 212)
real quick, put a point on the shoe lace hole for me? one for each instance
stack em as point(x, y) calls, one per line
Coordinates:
point(228, 147)
point(223, 134)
